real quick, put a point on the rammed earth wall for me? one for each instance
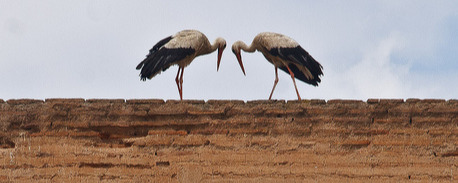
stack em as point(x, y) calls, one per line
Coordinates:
point(93, 140)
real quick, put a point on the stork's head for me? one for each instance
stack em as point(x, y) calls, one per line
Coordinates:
point(221, 43)
point(236, 47)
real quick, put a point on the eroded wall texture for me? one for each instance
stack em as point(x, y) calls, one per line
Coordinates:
point(64, 140)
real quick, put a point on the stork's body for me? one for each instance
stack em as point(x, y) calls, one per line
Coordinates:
point(284, 53)
point(179, 49)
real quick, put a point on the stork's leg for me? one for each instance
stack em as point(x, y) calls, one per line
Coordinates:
point(275, 82)
point(294, 81)
point(181, 83)
point(178, 82)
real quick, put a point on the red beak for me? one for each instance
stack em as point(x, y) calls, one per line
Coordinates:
point(239, 58)
point(220, 54)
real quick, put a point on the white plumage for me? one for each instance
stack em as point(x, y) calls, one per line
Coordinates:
point(284, 53)
point(179, 49)
point(271, 40)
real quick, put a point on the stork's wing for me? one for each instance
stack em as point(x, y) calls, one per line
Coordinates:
point(298, 57)
point(154, 50)
point(298, 74)
point(161, 60)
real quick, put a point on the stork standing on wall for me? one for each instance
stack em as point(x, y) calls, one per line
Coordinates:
point(284, 53)
point(179, 49)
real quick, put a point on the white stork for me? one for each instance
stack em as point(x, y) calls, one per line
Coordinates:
point(180, 49)
point(284, 53)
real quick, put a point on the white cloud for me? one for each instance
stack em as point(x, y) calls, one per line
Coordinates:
point(376, 75)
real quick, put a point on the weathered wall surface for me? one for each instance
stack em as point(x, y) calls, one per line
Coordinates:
point(65, 140)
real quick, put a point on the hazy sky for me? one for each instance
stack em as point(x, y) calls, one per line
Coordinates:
point(89, 49)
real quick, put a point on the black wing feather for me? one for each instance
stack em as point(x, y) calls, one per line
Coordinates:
point(162, 59)
point(154, 50)
point(298, 74)
point(299, 57)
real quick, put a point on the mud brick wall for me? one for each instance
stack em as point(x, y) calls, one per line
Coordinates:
point(378, 140)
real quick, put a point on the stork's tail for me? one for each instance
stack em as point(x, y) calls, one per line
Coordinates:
point(140, 65)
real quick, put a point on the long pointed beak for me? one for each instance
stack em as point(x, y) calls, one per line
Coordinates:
point(220, 54)
point(239, 58)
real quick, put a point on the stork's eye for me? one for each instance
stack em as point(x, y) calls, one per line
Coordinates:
point(233, 51)
point(224, 46)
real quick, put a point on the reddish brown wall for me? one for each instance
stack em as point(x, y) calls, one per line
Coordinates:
point(314, 140)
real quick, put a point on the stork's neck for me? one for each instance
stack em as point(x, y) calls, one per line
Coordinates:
point(217, 44)
point(246, 48)
point(213, 47)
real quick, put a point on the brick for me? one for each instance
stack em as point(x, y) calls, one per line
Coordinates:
point(445, 132)
point(450, 154)
point(134, 108)
point(298, 102)
point(167, 132)
point(282, 111)
point(145, 101)
point(392, 120)
point(340, 101)
point(125, 112)
point(104, 101)
point(358, 112)
point(245, 109)
point(441, 111)
point(317, 102)
point(430, 120)
point(330, 132)
point(391, 101)
point(291, 131)
point(167, 110)
point(311, 120)
point(417, 141)
point(149, 141)
point(244, 131)
point(373, 101)
point(432, 101)
point(64, 100)
point(262, 142)
point(186, 123)
point(413, 100)
point(23, 101)
point(408, 131)
point(400, 110)
point(206, 110)
point(225, 102)
point(316, 111)
point(266, 102)
point(185, 102)
point(352, 120)
point(306, 102)
point(209, 131)
point(65, 134)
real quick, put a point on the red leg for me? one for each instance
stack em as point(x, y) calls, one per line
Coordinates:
point(275, 82)
point(178, 82)
point(181, 83)
point(294, 81)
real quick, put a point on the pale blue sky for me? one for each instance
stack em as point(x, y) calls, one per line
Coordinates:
point(89, 49)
